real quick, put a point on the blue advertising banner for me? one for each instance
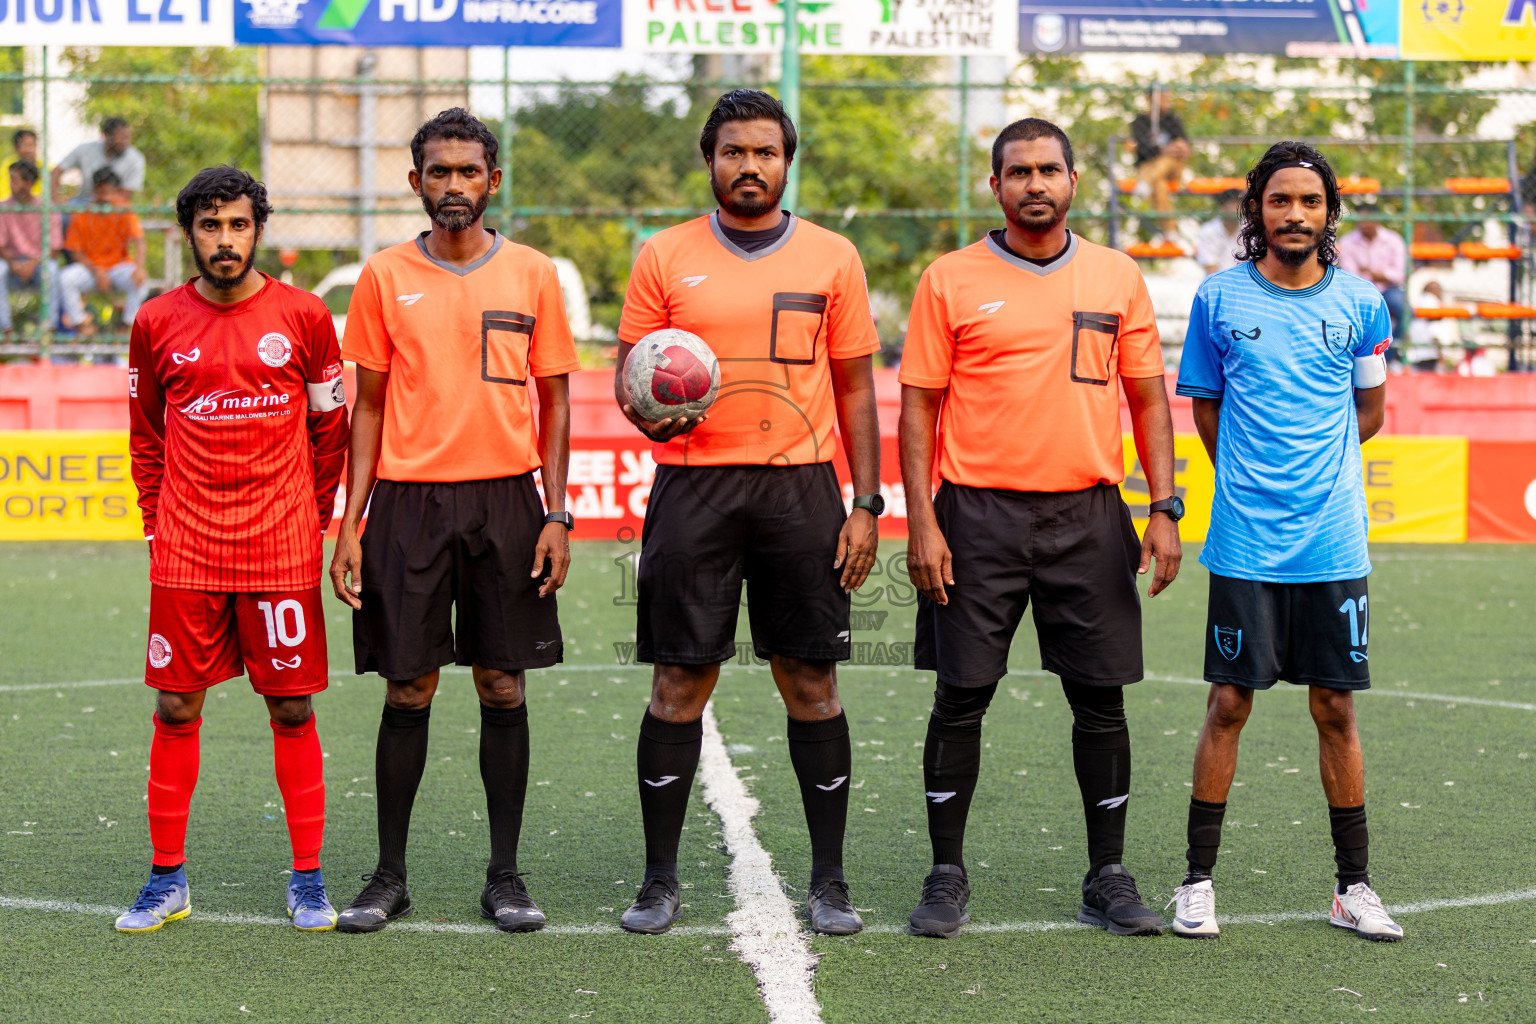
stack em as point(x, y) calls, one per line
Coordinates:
point(429, 22)
point(1295, 28)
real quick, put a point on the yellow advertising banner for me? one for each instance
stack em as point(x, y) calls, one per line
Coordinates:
point(1469, 29)
point(1415, 488)
point(67, 485)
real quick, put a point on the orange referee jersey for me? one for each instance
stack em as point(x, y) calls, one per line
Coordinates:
point(460, 345)
point(773, 318)
point(1031, 357)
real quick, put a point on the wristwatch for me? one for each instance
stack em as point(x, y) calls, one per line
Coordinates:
point(873, 503)
point(1173, 506)
point(565, 519)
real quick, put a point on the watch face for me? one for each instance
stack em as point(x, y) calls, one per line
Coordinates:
point(1178, 508)
point(877, 504)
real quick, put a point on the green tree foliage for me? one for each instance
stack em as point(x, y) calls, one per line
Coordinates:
point(181, 126)
point(11, 63)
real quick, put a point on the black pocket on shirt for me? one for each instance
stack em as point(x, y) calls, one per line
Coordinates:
point(504, 341)
point(798, 318)
point(1093, 346)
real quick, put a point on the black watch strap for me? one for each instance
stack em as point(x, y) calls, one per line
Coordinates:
point(1173, 507)
point(565, 519)
point(871, 503)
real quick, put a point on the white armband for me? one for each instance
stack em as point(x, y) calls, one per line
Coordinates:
point(332, 394)
point(1370, 371)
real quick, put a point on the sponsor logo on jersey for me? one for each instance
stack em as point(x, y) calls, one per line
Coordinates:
point(207, 405)
point(133, 382)
point(411, 299)
point(991, 307)
point(190, 357)
point(279, 664)
point(274, 349)
point(159, 650)
point(695, 280)
point(1229, 642)
point(1241, 335)
point(233, 401)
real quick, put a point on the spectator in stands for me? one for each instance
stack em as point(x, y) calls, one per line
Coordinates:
point(21, 244)
point(108, 249)
point(24, 142)
point(114, 149)
point(1162, 152)
point(1217, 241)
point(1380, 256)
point(1429, 340)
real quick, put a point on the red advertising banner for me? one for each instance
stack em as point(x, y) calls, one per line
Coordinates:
point(1501, 491)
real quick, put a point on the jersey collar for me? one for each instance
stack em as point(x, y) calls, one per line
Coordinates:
point(736, 250)
point(1290, 293)
point(1034, 268)
point(421, 247)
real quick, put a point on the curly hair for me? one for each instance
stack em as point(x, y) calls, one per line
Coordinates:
point(213, 187)
point(455, 123)
point(1251, 240)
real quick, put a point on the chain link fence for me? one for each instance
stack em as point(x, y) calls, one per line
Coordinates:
point(894, 153)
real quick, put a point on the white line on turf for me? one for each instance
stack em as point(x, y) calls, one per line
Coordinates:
point(1281, 917)
point(768, 935)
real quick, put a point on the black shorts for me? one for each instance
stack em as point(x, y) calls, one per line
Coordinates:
point(709, 527)
point(1310, 634)
point(1074, 552)
point(432, 548)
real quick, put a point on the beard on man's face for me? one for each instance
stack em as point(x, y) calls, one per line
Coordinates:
point(1283, 243)
point(227, 269)
point(1037, 220)
point(745, 207)
point(455, 213)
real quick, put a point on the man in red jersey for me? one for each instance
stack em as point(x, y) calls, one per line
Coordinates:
point(239, 434)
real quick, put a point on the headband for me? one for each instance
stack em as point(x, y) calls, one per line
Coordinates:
point(1307, 164)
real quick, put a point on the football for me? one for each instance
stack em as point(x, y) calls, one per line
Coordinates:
point(671, 373)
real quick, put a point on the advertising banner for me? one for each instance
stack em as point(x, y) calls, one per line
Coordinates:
point(429, 22)
point(1416, 489)
point(1501, 491)
point(911, 27)
point(117, 22)
point(1470, 30)
point(1295, 28)
point(67, 485)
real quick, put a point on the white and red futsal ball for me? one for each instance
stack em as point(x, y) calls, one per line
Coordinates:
point(671, 373)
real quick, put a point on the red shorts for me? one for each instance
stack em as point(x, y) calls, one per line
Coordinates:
point(197, 639)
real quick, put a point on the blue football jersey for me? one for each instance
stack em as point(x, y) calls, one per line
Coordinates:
point(1290, 503)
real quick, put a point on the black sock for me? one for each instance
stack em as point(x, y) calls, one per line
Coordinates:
point(667, 757)
point(1101, 757)
point(1204, 838)
point(1351, 844)
point(161, 869)
point(397, 766)
point(504, 771)
point(823, 759)
point(951, 763)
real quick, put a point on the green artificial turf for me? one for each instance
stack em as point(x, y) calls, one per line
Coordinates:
point(1453, 621)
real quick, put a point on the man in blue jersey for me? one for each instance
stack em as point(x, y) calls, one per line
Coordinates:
point(1283, 360)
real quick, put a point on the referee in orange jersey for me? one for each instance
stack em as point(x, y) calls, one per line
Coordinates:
point(1014, 349)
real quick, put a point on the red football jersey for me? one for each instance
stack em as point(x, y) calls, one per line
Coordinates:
point(239, 436)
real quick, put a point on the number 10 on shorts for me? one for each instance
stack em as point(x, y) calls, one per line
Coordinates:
point(279, 628)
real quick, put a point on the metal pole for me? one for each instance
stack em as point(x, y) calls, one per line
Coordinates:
point(789, 89)
point(1515, 235)
point(1408, 127)
point(45, 240)
point(1112, 221)
point(367, 153)
point(964, 182)
point(506, 141)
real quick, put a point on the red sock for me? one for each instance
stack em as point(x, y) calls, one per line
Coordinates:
point(301, 778)
point(173, 762)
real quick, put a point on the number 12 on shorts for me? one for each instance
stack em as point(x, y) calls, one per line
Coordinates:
point(278, 629)
point(1359, 624)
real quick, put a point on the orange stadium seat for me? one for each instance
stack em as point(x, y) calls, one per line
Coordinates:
point(1479, 251)
point(1442, 313)
point(1505, 311)
point(1215, 186)
point(1154, 251)
point(1477, 186)
point(1359, 186)
point(1128, 185)
point(1432, 251)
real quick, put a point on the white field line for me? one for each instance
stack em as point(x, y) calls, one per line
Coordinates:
point(1282, 917)
point(768, 935)
point(1151, 677)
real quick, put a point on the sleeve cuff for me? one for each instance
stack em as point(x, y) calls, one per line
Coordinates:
point(1195, 391)
point(367, 364)
point(555, 371)
point(915, 381)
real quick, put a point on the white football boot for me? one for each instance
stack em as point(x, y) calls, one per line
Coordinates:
point(1194, 917)
point(1359, 908)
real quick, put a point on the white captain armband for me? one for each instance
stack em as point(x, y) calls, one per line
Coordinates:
point(1370, 371)
point(332, 394)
